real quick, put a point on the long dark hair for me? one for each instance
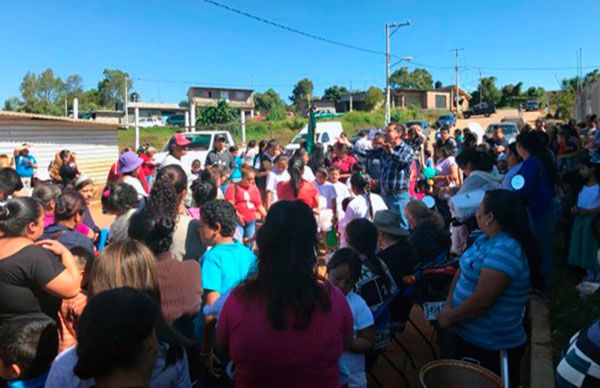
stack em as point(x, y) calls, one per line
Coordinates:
point(17, 213)
point(68, 205)
point(362, 237)
point(153, 229)
point(287, 246)
point(533, 143)
point(511, 214)
point(170, 182)
point(296, 169)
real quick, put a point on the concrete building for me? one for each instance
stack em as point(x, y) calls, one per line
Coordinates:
point(94, 142)
point(464, 97)
point(588, 101)
point(161, 110)
point(240, 99)
point(423, 99)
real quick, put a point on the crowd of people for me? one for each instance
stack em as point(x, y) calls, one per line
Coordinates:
point(209, 273)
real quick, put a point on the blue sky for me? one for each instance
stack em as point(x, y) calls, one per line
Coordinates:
point(191, 42)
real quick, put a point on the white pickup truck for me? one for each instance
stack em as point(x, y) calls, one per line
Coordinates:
point(201, 143)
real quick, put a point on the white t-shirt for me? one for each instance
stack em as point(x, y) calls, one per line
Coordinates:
point(308, 174)
point(136, 184)
point(273, 179)
point(355, 362)
point(589, 197)
point(359, 208)
point(327, 195)
point(363, 144)
point(170, 159)
point(341, 192)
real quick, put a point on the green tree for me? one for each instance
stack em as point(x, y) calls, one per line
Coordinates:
point(42, 94)
point(418, 79)
point(270, 103)
point(437, 85)
point(510, 94)
point(219, 114)
point(302, 92)
point(489, 90)
point(112, 88)
point(373, 97)
point(335, 93)
point(13, 104)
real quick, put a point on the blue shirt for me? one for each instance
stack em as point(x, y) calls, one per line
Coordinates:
point(225, 266)
point(501, 326)
point(538, 192)
point(237, 165)
point(22, 165)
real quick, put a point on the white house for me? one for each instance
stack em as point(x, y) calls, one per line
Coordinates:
point(95, 143)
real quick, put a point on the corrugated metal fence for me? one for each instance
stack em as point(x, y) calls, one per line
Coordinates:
point(96, 148)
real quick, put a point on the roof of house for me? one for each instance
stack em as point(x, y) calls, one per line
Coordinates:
point(219, 88)
point(450, 88)
point(21, 116)
point(156, 105)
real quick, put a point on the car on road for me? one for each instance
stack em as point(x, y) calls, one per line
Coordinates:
point(532, 106)
point(483, 108)
point(327, 133)
point(201, 143)
point(148, 122)
point(509, 129)
point(422, 123)
point(176, 121)
point(446, 120)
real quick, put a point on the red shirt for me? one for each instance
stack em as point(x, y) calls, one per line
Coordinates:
point(148, 166)
point(345, 164)
point(307, 193)
point(246, 201)
point(265, 357)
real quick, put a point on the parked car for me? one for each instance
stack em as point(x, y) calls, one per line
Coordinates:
point(517, 120)
point(147, 122)
point(327, 133)
point(422, 123)
point(176, 120)
point(201, 143)
point(483, 108)
point(510, 130)
point(532, 106)
point(446, 120)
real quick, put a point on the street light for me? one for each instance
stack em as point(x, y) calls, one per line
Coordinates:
point(390, 29)
point(405, 59)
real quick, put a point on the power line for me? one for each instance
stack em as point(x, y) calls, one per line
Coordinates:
point(293, 30)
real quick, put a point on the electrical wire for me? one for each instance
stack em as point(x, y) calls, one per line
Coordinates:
point(293, 30)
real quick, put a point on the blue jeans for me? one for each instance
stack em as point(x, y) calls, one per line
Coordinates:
point(247, 231)
point(543, 232)
point(397, 202)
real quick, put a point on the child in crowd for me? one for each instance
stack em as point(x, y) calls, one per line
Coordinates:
point(247, 201)
point(196, 170)
point(238, 162)
point(327, 194)
point(121, 200)
point(149, 164)
point(224, 173)
point(27, 351)
point(85, 186)
point(202, 192)
point(278, 174)
point(341, 190)
point(71, 309)
point(583, 248)
point(344, 270)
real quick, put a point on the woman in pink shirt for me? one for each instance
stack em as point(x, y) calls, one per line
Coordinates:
point(286, 327)
point(344, 161)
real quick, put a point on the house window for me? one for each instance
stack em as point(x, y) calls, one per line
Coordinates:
point(240, 96)
point(224, 95)
point(440, 101)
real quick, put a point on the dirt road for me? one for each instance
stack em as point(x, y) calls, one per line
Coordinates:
point(528, 117)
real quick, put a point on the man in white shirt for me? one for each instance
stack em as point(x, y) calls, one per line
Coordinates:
point(363, 143)
point(177, 149)
point(278, 174)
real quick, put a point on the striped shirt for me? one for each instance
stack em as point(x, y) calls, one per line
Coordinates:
point(501, 326)
point(580, 363)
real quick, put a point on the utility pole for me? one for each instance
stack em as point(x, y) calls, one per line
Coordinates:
point(126, 100)
point(457, 96)
point(480, 87)
point(393, 27)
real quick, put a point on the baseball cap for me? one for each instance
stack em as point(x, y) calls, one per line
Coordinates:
point(180, 140)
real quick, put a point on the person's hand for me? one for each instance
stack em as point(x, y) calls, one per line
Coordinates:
point(53, 246)
point(212, 364)
point(443, 319)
